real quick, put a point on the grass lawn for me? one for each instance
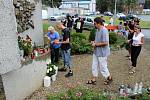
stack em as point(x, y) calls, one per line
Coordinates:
point(45, 27)
point(107, 20)
point(145, 24)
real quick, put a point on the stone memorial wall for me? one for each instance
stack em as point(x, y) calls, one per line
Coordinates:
point(10, 58)
point(18, 81)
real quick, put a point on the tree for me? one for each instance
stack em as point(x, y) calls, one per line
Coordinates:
point(52, 3)
point(120, 5)
point(104, 5)
point(147, 3)
point(130, 6)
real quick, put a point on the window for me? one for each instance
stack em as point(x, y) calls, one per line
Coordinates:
point(83, 19)
point(89, 20)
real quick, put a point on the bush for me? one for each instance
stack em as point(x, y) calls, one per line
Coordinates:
point(112, 37)
point(45, 27)
point(79, 44)
point(92, 35)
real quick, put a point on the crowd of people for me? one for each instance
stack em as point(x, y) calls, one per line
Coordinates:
point(76, 23)
point(101, 50)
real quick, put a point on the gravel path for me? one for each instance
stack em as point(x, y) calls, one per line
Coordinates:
point(118, 65)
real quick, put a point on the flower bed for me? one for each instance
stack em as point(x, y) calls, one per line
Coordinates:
point(83, 93)
point(79, 93)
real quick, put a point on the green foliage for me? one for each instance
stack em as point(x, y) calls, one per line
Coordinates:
point(130, 2)
point(147, 3)
point(104, 5)
point(145, 97)
point(20, 43)
point(52, 3)
point(84, 93)
point(145, 24)
point(79, 44)
point(117, 41)
point(45, 27)
point(25, 45)
point(92, 35)
point(50, 70)
point(79, 93)
point(108, 5)
point(120, 40)
point(112, 37)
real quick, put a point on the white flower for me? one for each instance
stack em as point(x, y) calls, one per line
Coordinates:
point(48, 61)
point(50, 69)
point(55, 67)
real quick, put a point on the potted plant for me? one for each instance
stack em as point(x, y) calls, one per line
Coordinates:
point(27, 48)
point(51, 71)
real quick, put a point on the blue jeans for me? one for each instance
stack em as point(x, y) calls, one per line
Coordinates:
point(66, 57)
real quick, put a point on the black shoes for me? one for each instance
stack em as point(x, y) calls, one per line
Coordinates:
point(70, 73)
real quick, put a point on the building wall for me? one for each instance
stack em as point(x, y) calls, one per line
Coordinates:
point(93, 6)
point(52, 11)
point(86, 4)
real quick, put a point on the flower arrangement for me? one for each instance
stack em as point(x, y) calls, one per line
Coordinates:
point(51, 70)
point(20, 42)
point(25, 45)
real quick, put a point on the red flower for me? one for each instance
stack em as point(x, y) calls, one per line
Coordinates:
point(79, 94)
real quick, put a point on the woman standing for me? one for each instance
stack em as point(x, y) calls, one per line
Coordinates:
point(138, 41)
point(54, 44)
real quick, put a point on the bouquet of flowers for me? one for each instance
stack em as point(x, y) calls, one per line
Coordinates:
point(25, 45)
point(51, 70)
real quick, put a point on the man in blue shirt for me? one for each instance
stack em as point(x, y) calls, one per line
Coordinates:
point(54, 44)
